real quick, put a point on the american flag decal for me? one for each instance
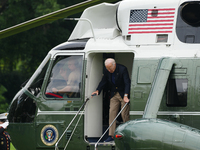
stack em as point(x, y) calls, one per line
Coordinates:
point(151, 21)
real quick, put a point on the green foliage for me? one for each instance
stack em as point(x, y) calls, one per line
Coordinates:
point(3, 104)
point(46, 7)
point(21, 54)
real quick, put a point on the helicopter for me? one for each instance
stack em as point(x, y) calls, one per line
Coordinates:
point(157, 41)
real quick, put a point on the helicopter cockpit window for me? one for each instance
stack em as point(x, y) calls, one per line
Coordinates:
point(177, 92)
point(65, 78)
point(36, 85)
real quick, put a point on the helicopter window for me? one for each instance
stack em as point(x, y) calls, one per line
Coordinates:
point(65, 77)
point(36, 85)
point(188, 22)
point(177, 92)
point(190, 13)
point(162, 38)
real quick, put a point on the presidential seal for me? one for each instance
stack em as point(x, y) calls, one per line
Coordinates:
point(49, 135)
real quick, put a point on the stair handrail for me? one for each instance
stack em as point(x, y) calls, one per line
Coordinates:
point(56, 145)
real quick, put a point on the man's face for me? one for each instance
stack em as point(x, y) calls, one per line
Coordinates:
point(71, 65)
point(110, 67)
point(63, 72)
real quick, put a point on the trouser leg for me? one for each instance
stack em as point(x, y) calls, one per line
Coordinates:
point(125, 112)
point(114, 108)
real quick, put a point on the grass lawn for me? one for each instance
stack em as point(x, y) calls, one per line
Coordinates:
point(12, 147)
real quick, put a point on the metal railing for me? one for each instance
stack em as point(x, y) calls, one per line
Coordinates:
point(110, 126)
point(56, 145)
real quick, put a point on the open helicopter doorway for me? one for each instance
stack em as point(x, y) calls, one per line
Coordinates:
point(97, 109)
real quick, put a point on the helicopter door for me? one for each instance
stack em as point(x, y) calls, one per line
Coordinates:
point(93, 117)
point(97, 110)
point(180, 102)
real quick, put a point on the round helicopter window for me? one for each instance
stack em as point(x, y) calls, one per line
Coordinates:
point(190, 13)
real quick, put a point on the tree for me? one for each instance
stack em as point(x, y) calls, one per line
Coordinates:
point(22, 53)
point(3, 103)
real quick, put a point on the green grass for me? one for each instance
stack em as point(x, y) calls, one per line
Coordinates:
point(12, 147)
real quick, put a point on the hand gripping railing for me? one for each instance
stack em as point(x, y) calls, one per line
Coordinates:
point(109, 126)
point(56, 145)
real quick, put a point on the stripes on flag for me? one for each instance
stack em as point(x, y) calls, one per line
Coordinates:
point(151, 21)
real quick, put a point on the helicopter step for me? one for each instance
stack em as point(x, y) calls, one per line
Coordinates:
point(104, 143)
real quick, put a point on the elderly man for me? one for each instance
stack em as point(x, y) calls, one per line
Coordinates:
point(117, 76)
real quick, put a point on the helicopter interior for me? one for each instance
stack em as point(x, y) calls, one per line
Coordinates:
point(97, 109)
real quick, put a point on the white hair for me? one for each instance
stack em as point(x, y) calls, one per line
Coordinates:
point(109, 61)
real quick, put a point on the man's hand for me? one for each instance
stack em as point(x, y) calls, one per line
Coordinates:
point(54, 90)
point(95, 93)
point(126, 100)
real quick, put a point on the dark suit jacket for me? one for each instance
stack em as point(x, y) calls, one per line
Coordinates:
point(4, 139)
point(122, 81)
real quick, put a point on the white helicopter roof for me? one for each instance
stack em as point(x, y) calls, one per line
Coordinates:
point(120, 16)
point(147, 28)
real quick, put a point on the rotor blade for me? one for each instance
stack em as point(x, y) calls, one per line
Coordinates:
point(63, 13)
